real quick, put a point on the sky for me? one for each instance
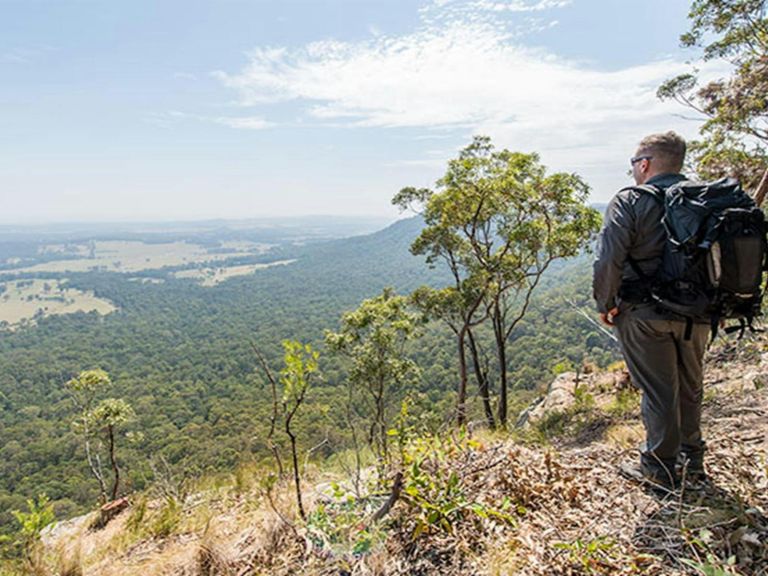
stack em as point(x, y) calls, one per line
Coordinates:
point(139, 110)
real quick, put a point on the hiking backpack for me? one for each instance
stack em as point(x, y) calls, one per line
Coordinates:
point(714, 256)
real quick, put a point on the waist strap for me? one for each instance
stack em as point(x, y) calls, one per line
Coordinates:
point(635, 292)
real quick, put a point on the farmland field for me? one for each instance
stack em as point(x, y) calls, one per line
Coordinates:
point(246, 246)
point(132, 256)
point(211, 276)
point(23, 299)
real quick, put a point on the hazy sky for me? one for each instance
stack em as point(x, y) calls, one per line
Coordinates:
point(166, 109)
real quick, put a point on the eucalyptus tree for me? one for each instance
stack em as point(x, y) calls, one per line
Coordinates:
point(84, 390)
point(301, 366)
point(541, 218)
point(496, 221)
point(374, 338)
point(735, 108)
point(106, 417)
point(109, 415)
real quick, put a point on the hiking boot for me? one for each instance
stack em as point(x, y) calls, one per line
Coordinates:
point(658, 478)
point(692, 465)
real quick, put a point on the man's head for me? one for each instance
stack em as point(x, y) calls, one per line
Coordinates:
point(658, 154)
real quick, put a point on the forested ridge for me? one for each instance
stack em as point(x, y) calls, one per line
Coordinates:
point(182, 354)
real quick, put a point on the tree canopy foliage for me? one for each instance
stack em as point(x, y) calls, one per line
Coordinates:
point(373, 338)
point(735, 134)
point(497, 222)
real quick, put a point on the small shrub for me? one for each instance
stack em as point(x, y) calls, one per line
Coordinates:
point(438, 493)
point(137, 516)
point(167, 519)
point(618, 366)
point(584, 401)
point(593, 556)
point(31, 523)
point(626, 402)
point(339, 525)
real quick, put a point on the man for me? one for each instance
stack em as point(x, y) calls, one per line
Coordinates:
point(664, 353)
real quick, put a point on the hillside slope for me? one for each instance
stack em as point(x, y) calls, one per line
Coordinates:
point(545, 500)
point(182, 353)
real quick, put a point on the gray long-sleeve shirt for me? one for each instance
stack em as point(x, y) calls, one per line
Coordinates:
point(632, 228)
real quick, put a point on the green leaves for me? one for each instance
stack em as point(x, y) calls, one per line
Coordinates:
point(39, 515)
point(85, 390)
point(112, 412)
point(738, 27)
point(373, 339)
point(498, 214)
point(31, 523)
point(93, 421)
point(735, 133)
point(87, 385)
point(300, 363)
point(437, 492)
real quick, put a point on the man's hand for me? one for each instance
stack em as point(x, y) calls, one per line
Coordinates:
point(607, 317)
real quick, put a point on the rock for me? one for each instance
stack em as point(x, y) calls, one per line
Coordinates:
point(110, 510)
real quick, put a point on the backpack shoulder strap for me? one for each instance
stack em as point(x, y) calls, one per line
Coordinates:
point(654, 191)
point(658, 195)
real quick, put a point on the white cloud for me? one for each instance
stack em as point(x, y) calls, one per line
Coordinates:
point(246, 123)
point(519, 5)
point(172, 117)
point(471, 71)
point(466, 74)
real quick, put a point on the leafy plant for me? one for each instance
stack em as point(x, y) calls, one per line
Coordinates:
point(340, 526)
point(713, 567)
point(300, 367)
point(593, 556)
point(436, 491)
point(39, 514)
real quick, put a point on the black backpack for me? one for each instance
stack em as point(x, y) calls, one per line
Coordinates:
point(715, 254)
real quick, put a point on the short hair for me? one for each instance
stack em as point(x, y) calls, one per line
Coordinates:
point(668, 149)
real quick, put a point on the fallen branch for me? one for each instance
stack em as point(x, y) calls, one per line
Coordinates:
point(397, 487)
point(591, 320)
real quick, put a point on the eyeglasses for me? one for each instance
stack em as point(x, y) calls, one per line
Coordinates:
point(636, 159)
